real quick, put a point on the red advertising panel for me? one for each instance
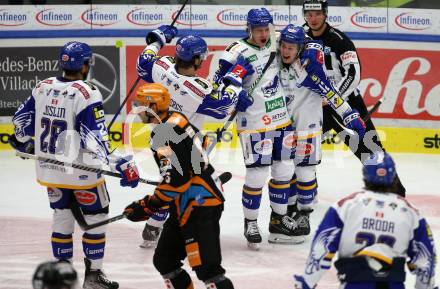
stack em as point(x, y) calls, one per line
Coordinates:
point(408, 79)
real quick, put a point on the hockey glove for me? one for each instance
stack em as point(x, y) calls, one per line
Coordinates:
point(238, 72)
point(300, 283)
point(312, 58)
point(139, 210)
point(163, 34)
point(24, 147)
point(129, 172)
point(353, 121)
point(244, 101)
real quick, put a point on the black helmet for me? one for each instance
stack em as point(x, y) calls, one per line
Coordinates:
point(54, 275)
point(316, 5)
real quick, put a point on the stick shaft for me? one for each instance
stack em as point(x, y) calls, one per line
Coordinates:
point(80, 167)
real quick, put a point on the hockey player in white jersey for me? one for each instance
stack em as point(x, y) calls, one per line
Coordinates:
point(265, 132)
point(191, 95)
point(375, 232)
point(304, 103)
point(64, 118)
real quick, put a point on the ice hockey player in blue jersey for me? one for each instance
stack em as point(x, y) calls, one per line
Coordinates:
point(191, 95)
point(375, 232)
point(64, 118)
point(306, 85)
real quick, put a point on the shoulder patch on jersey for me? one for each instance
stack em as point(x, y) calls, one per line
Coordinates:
point(170, 59)
point(231, 46)
point(193, 88)
point(162, 64)
point(98, 112)
point(178, 119)
point(82, 89)
point(91, 85)
point(202, 83)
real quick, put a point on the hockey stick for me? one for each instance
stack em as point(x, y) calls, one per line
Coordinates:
point(273, 53)
point(81, 167)
point(79, 216)
point(133, 86)
point(373, 109)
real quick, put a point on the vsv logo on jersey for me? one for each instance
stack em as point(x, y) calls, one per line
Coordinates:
point(271, 89)
point(367, 20)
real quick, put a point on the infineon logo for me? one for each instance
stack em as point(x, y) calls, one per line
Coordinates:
point(96, 17)
point(284, 18)
point(366, 20)
point(191, 19)
point(231, 17)
point(144, 17)
point(335, 20)
point(410, 21)
point(51, 17)
point(8, 18)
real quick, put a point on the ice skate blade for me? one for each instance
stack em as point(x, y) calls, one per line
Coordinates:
point(147, 244)
point(253, 246)
point(285, 240)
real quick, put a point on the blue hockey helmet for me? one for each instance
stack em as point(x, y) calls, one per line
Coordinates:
point(293, 34)
point(74, 54)
point(315, 5)
point(187, 47)
point(55, 275)
point(259, 17)
point(379, 169)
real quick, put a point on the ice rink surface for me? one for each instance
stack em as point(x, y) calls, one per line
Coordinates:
point(25, 222)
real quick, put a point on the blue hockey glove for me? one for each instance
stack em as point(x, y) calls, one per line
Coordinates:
point(129, 172)
point(353, 121)
point(238, 72)
point(300, 283)
point(24, 147)
point(163, 34)
point(312, 58)
point(244, 101)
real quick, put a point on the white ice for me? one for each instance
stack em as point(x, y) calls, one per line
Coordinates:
point(25, 223)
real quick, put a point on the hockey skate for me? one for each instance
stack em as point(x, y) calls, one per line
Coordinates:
point(150, 235)
point(302, 218)
point(284, 230)
point(96, 279)
point(252, 234)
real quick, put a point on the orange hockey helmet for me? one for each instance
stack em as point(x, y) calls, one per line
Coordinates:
point(156, 93)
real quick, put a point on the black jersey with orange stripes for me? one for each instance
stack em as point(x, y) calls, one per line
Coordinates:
point(183, 164)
